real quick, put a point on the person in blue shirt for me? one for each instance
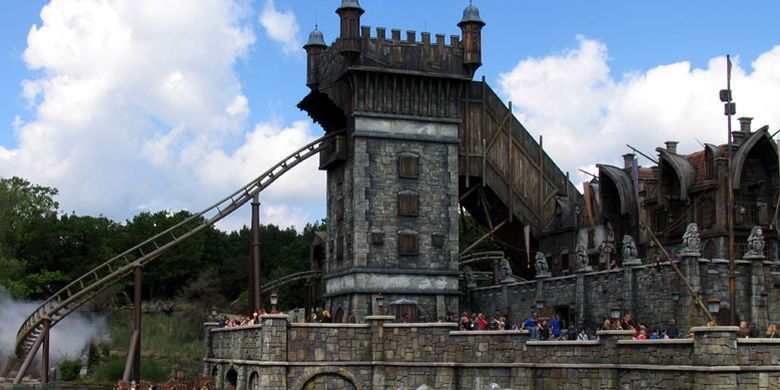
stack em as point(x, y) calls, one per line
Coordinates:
point(530, 325)
point(556, 326)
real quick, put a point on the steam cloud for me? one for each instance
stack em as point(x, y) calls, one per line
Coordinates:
point(68, 338)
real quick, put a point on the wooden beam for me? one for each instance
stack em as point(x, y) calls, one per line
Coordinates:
point(486, 235)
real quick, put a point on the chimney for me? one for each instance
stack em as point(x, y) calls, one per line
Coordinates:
point(737, 137)
point(744, 124)
point(671, 146)
point(628, 161)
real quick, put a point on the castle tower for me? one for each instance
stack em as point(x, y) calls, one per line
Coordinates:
point(392, 175)
point(471, 30)
point(314, 48)
point(349, 13)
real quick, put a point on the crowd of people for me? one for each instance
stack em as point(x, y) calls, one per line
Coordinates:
point(539, 328)
point(227, 322)
point(752, 331)
point(642, 331)
point(542, 329)
point(478, 321)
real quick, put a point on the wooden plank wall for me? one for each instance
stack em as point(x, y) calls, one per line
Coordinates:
point(498, 149)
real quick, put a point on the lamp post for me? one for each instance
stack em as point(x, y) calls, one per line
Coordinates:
point(615, 311)
point(274, 301)
point(539, 304)
point(380, 303)
point(713, 305)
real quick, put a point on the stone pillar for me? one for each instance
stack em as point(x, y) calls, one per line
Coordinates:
point(274, 339)
point(757, 290)
point(208, 346)
point(715, 346)
point(629, 289)
point(243, 377)
point(219, 381)
point(378, 348)
point(609, 339)
point(441, 308)
point(610, 377)
point(580, 299)
point(505, 298)
point(691, 316)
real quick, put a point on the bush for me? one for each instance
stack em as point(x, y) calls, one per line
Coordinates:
point(111, 370)
point(69, 370)
point(154, 372)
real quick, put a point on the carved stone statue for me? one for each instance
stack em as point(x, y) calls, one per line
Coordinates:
point(505, 271)
point(583, 262)
point(630, 254)
point(691, 241)
point(542, 270)
point(468, 275)
point(755, 244)
point(607, 247)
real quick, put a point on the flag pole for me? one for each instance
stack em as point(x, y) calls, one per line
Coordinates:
point(729, 111)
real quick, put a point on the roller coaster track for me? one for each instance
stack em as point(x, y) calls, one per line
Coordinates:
point(274, 284)
point(89, 285)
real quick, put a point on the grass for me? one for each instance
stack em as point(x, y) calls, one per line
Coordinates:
point(169, 343)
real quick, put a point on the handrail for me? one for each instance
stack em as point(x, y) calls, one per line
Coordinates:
point(81, 290)
point(289, 279)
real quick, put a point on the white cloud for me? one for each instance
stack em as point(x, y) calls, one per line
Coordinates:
point(140, 104)
point(587, 115)
point(281, 27)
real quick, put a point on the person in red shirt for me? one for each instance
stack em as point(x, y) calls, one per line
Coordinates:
point(483, 323)
point(464, 321)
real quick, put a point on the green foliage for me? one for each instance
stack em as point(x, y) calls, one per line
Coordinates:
point(41, 251)
point(168, 343)
point(111, 370)
point(153, 371)
point(69, 369)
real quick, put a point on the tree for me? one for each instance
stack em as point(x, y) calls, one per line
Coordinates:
point(27, 240)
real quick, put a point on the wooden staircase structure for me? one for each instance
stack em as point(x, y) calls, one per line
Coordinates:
point(507, 180)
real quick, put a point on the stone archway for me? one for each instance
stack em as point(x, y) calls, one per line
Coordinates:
point(328, 381)
point(231, 379)
point(332, 377)
point(254, 381)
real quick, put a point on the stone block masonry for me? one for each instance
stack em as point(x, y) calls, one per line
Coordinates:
point(653, 294)
point(381, 354)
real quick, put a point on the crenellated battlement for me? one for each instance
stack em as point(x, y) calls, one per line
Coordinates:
point(381, 38)
point(358, 49)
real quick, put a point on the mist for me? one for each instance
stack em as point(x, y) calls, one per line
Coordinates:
point(68, 338)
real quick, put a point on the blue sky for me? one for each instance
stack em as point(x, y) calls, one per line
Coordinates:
point(131, 106)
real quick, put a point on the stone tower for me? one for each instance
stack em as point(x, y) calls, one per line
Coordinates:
point(392, 174)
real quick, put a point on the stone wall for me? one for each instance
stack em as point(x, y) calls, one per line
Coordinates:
point(385, 355)
point(366, 223)
point(653, 294)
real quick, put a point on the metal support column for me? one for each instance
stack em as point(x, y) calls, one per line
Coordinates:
point(133, 361)
point(31, 354)
point(45, 358)
point(256, 264)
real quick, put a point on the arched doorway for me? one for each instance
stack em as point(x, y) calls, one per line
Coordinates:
point(231, 379)
point(254, 381)
point(328, 382)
